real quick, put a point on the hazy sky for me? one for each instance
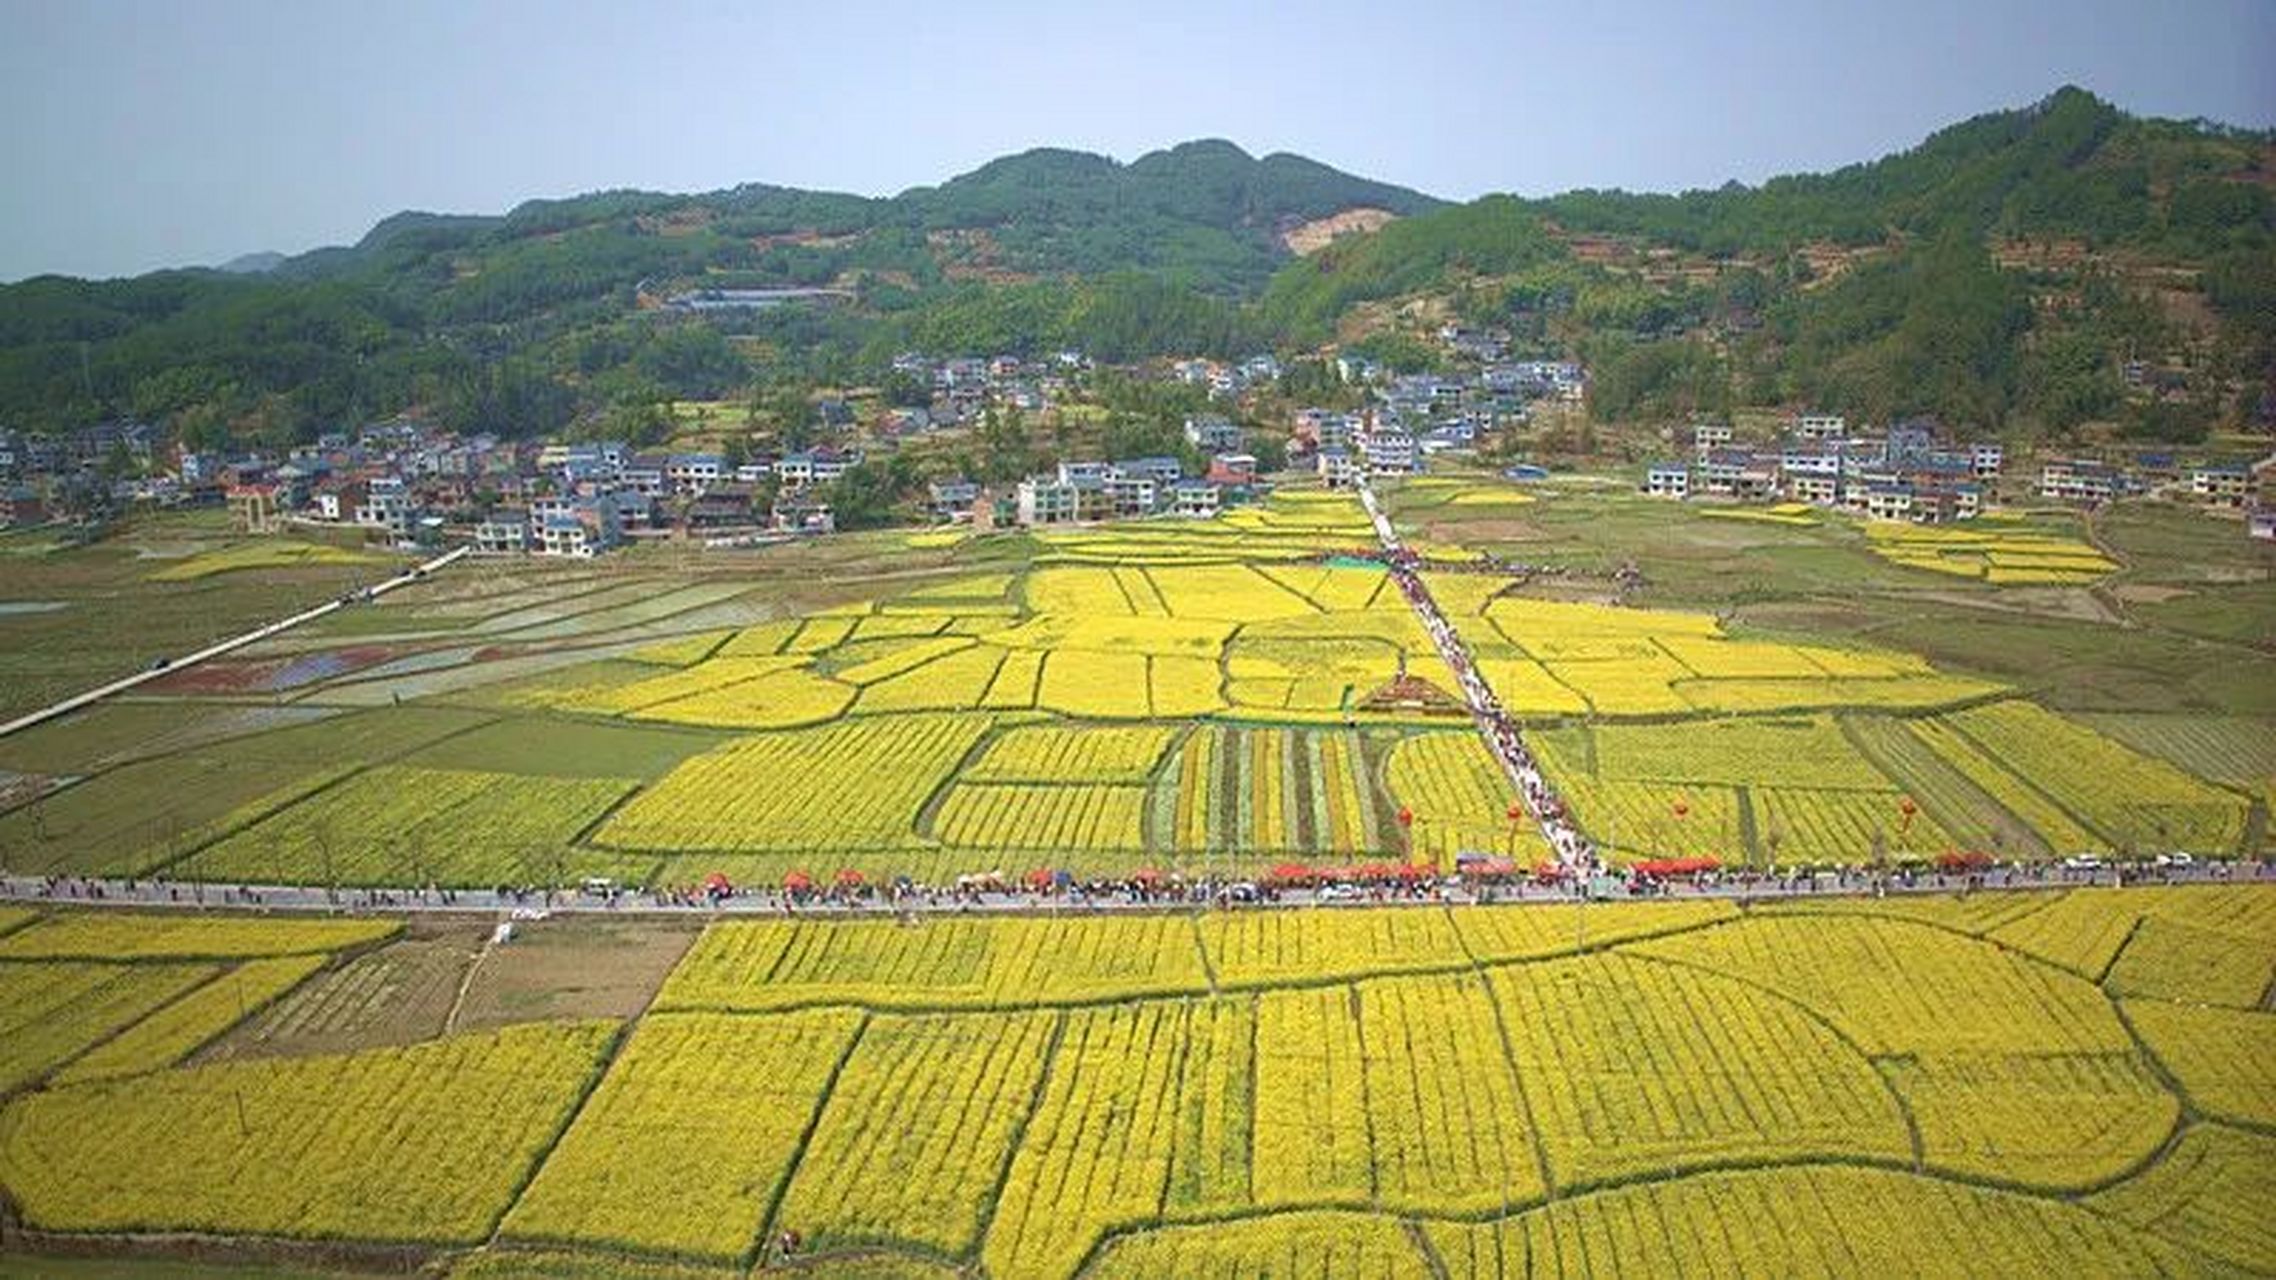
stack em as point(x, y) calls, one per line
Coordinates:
point(165, 132)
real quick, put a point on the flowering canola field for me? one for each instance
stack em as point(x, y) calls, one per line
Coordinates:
point(1473, 1091)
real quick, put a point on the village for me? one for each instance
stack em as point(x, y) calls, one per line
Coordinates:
point(410, 484)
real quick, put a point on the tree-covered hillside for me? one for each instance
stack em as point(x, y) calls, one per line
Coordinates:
point(2006, 271)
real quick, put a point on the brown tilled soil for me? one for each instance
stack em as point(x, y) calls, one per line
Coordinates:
point(580, 968)
point(399, 994)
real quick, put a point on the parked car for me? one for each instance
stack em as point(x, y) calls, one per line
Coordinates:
point(2083, 862)
point(2175, 859)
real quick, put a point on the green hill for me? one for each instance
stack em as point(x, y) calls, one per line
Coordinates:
point(1998, 271)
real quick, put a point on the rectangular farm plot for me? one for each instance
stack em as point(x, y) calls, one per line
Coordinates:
point(685, 1143)
point(1048, 818)
point(1310, 1143)
point(427, 1143)
point(51, 1012)
point(1459, 799)
point(2130, 798)
point(1105, 685)
point(132, 818)
point(1014, 685)
point(946, 963)
point(1262, 948)
point(1145, 1110)
point(853, 785)
point(1800, 751)
point(1798, 825)
point(397, 824)
point(783, 698)
point(918, 1129)
point(1227, 593)
point(1450, 1129)
point(956, 681)
point(1054, 753)
point(1180, 688)
point(1269, 790)
point(92, 935)
point(181, 1028)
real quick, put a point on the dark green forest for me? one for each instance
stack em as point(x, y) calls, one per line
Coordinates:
point(544, 318)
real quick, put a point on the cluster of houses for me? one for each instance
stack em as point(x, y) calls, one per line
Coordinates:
point(1228, 379)
point(1138, 487)
point(1910, 472)
point(1915, 472)
point(1414, 418)
point(412, 485)
point(964, 387)
point(43, 477)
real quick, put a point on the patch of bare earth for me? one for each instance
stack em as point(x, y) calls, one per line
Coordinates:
point(576, 967)
point(1307, 238)
point(1468, 531)
point(2148, 593)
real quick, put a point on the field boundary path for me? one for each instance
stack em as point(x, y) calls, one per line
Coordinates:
point(255, 636)
point(1573, 850)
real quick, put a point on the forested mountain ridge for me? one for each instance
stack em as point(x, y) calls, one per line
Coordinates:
point(2002, 271)
point(2037, 268)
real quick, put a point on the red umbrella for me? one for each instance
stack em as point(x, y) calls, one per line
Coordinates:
point(1548, 870)
point(798, 882)
point(1146, 875)
point(1516, 811)
point(1289, 873)
point(1406, 816)
point(1040, 878)
point(1375, 871)
point(717, 883)
point(1410, 871)
point(849, 878)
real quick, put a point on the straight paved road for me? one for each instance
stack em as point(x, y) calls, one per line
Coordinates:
point(1117, 897)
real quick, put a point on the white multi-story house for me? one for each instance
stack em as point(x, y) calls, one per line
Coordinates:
point(1820, 427)
point(386, 506)
point(1668, 480)
point(694, 472)
point(2222, 484)
point(1985, 458)
point(2077, 480)
point(1820, 489)
point(1337, 468)
point(1198, 499)
point(1709, 436)
point(503, 532)
point(1047, 500)
point(1389, 452)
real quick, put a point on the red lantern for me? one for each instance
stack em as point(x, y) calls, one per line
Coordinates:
point(1516, 812)
point(1406, 817)
point(1681, 808)
point(1908, 806)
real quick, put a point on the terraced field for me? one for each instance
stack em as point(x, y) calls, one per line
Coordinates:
point(1413, 1091)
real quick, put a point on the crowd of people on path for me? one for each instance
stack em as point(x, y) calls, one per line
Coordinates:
point(1572, 850)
